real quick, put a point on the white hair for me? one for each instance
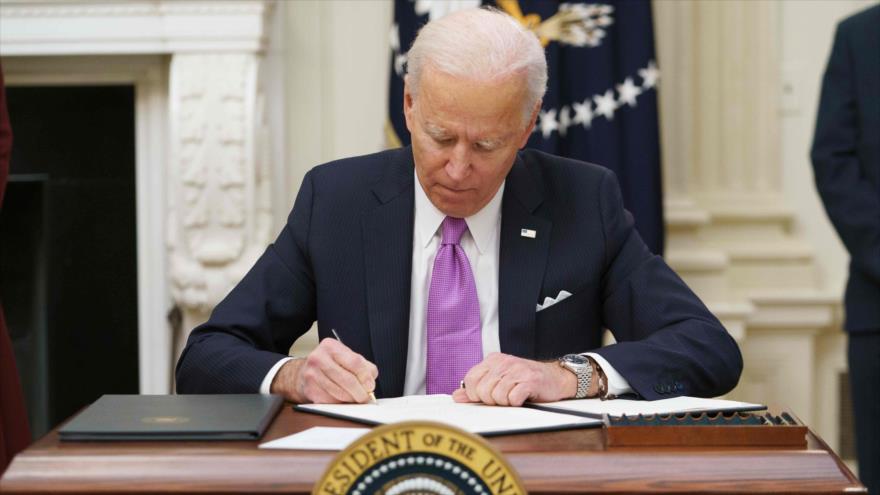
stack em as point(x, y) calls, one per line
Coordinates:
point(481, 44)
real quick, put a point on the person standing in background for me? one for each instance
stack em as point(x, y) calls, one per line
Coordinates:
point(846, 164)
point(14, 432)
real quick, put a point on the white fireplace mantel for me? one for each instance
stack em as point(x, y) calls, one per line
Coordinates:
point(203, 175)
point(131, 27)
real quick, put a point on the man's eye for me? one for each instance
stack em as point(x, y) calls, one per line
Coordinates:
point(443, 141)
point(484, 147)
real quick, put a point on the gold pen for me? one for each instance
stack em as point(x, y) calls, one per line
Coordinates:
point(336, 335)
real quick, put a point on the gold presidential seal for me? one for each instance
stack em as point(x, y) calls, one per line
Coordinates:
point(419, 457)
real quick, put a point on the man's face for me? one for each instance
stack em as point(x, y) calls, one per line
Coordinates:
point(465, 136)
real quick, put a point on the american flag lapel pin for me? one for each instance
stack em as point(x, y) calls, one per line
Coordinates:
point(528, 233)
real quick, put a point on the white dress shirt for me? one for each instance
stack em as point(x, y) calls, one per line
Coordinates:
point(481, 243)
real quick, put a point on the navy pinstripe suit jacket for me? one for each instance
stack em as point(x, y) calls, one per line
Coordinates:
point(344, 258)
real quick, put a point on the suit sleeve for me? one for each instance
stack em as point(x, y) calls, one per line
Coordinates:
point(255, 325)
point(853, 205)
point(668, 342)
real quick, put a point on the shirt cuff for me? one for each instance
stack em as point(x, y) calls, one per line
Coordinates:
point(266, 386)
point(617, 384)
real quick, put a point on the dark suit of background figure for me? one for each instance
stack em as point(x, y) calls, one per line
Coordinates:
point(14, 432)
point(846, 162)
point(344, 258)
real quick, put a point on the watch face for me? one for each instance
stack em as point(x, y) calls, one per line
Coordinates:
point(576, 359)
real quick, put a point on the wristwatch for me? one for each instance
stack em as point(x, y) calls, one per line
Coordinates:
point(582, 369)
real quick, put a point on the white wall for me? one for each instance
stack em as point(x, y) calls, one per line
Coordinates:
point(806, 34)
point(337, 57)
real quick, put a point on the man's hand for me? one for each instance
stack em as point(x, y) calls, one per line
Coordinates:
point(331, 374)
point(506, 380)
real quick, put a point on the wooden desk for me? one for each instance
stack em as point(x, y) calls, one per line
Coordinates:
point(556, 462)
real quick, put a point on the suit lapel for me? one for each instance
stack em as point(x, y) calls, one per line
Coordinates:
point(388, 234)
point(522, 260)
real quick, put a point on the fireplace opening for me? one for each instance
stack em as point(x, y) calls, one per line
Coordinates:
point(68, 259)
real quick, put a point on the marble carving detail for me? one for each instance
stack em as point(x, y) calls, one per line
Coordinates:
point(220, 206)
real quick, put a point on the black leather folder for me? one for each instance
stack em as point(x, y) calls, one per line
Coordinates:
point(173, 417)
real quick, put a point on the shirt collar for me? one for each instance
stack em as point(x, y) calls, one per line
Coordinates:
point(483, 225)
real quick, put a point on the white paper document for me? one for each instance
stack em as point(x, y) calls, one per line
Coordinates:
point(475, 418)
point(619, 407)
point(317, 438)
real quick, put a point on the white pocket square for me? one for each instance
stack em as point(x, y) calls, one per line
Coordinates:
point(549, 301)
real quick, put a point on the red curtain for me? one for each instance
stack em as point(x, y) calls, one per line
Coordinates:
point(14, 432)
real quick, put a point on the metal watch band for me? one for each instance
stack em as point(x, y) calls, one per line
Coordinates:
point(585, 379)
point(582, 370)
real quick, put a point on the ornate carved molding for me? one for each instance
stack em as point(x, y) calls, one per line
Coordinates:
point(220, 214)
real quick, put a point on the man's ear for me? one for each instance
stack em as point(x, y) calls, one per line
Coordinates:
point(407, 104)
point(531, 125)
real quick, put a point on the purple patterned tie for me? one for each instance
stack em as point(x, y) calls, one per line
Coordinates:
point(455, 341)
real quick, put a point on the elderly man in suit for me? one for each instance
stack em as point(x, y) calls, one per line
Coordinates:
point(846, 163)
point(461, 264)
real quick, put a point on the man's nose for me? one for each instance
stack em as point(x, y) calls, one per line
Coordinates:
point(458, 166)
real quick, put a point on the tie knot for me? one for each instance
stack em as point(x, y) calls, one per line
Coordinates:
point(453, 229)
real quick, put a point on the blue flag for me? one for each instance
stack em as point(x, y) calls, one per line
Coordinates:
point(601, 101)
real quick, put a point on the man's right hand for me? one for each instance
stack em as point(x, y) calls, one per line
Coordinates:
point(331, 374)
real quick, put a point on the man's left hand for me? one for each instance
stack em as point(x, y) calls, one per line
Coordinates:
point(506, 380)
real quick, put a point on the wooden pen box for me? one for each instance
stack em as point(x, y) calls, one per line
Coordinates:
point(743, 429)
